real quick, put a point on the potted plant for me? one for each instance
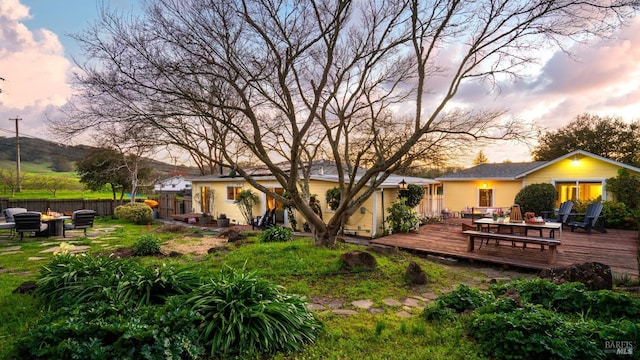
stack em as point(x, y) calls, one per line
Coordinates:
point(205, 219)
point(223, 221)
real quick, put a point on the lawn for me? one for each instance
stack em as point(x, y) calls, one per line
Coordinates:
point(299, 266)
point(385, 330)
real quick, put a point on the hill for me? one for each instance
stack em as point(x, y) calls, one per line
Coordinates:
point(40, 151)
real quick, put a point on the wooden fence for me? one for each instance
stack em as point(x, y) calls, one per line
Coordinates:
point(168, 205)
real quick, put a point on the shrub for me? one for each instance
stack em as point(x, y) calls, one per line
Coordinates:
point(535, 291)
point(147, 244)
point(536, 198)
point(532, 332)
point(137, 213)
point(464, 298)
point(333, 196)
point(618, 215)
point(247, 316)
point(276, 234)
point(114, 331)
point(70, 280)
point(413, 193)
point(245, 200)
point(402, 218)
point(626, 188)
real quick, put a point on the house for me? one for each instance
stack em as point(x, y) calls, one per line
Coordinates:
point(578, 175)
point(216, 194)
point(172, 184)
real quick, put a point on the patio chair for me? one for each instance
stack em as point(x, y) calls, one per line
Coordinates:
point(9, 212)
point(590, 219)
point(30, 222)
point(561, 215)
point(265, 221)
point(80, 219)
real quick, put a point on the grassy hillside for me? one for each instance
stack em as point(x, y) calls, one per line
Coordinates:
point(35, 168)
point(37, 155)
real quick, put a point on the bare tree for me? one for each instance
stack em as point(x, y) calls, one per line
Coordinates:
point(135, 144)
point(368, 82)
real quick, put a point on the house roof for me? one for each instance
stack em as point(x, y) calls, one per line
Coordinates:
point(513, 171)
point(502, 171)
point(321, 170)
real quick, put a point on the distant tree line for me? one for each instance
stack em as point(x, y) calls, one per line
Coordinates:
point(607, 136)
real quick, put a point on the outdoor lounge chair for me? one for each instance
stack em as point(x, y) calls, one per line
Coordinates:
point(265, 221)
point(590, 219)
point(30, 222)
point(80, 219)
point(9, 212)
point(560, 216)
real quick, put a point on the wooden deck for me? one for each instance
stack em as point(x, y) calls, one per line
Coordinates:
point(616, 248)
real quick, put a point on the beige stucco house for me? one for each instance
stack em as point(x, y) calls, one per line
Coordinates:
point(577, 175)
point(215, 194)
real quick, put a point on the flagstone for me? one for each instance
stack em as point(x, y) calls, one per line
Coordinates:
point(10, 248)
point(404, 314)
point(10, 252)
point(391, 302)
point(410, 302)
point(362, 304)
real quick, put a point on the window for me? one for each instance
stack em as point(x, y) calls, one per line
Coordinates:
point(232, 192)
point(485, 197)
point(576, 190)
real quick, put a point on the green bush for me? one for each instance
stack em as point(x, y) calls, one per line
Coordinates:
point(535, 291)
point(147, 244)
point(333, 196)
point(136, 213)
point(114, 331)
point(70, 280)
point(246, 316)
point(413, 193)
point(276, 234)
point(625, 188)
point(536, 198)
point(619, 216)
point(532, 332)
point(464, 298)
point(402, 218)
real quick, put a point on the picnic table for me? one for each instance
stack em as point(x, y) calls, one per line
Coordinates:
point(484, 233)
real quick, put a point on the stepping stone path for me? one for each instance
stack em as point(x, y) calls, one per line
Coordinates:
point(410, 306)
point(404, 308)
point(75, 250)
point(10, 250)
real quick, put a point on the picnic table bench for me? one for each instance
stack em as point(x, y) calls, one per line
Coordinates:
point(542, 241)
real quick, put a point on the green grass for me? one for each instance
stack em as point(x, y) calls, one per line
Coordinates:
point(35, 168)
point(30, 170)
point(299, 266)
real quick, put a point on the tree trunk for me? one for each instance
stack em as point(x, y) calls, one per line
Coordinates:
point(325, 235)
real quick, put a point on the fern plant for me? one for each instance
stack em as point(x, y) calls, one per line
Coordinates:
point(276, 234)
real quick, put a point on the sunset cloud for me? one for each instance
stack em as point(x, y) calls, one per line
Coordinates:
point(600, 77)
point(34, 67)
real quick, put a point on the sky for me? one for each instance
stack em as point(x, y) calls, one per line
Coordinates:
point(37, 60)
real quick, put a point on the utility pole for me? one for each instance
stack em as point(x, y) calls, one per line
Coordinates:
point(18, 182)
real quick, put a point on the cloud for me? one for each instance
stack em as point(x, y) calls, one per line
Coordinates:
point(34, 67)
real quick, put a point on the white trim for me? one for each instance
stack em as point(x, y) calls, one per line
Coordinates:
point(226, 192)
point(493, 194)
point(581, 153)
point(577, 181)
point(374, 219)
